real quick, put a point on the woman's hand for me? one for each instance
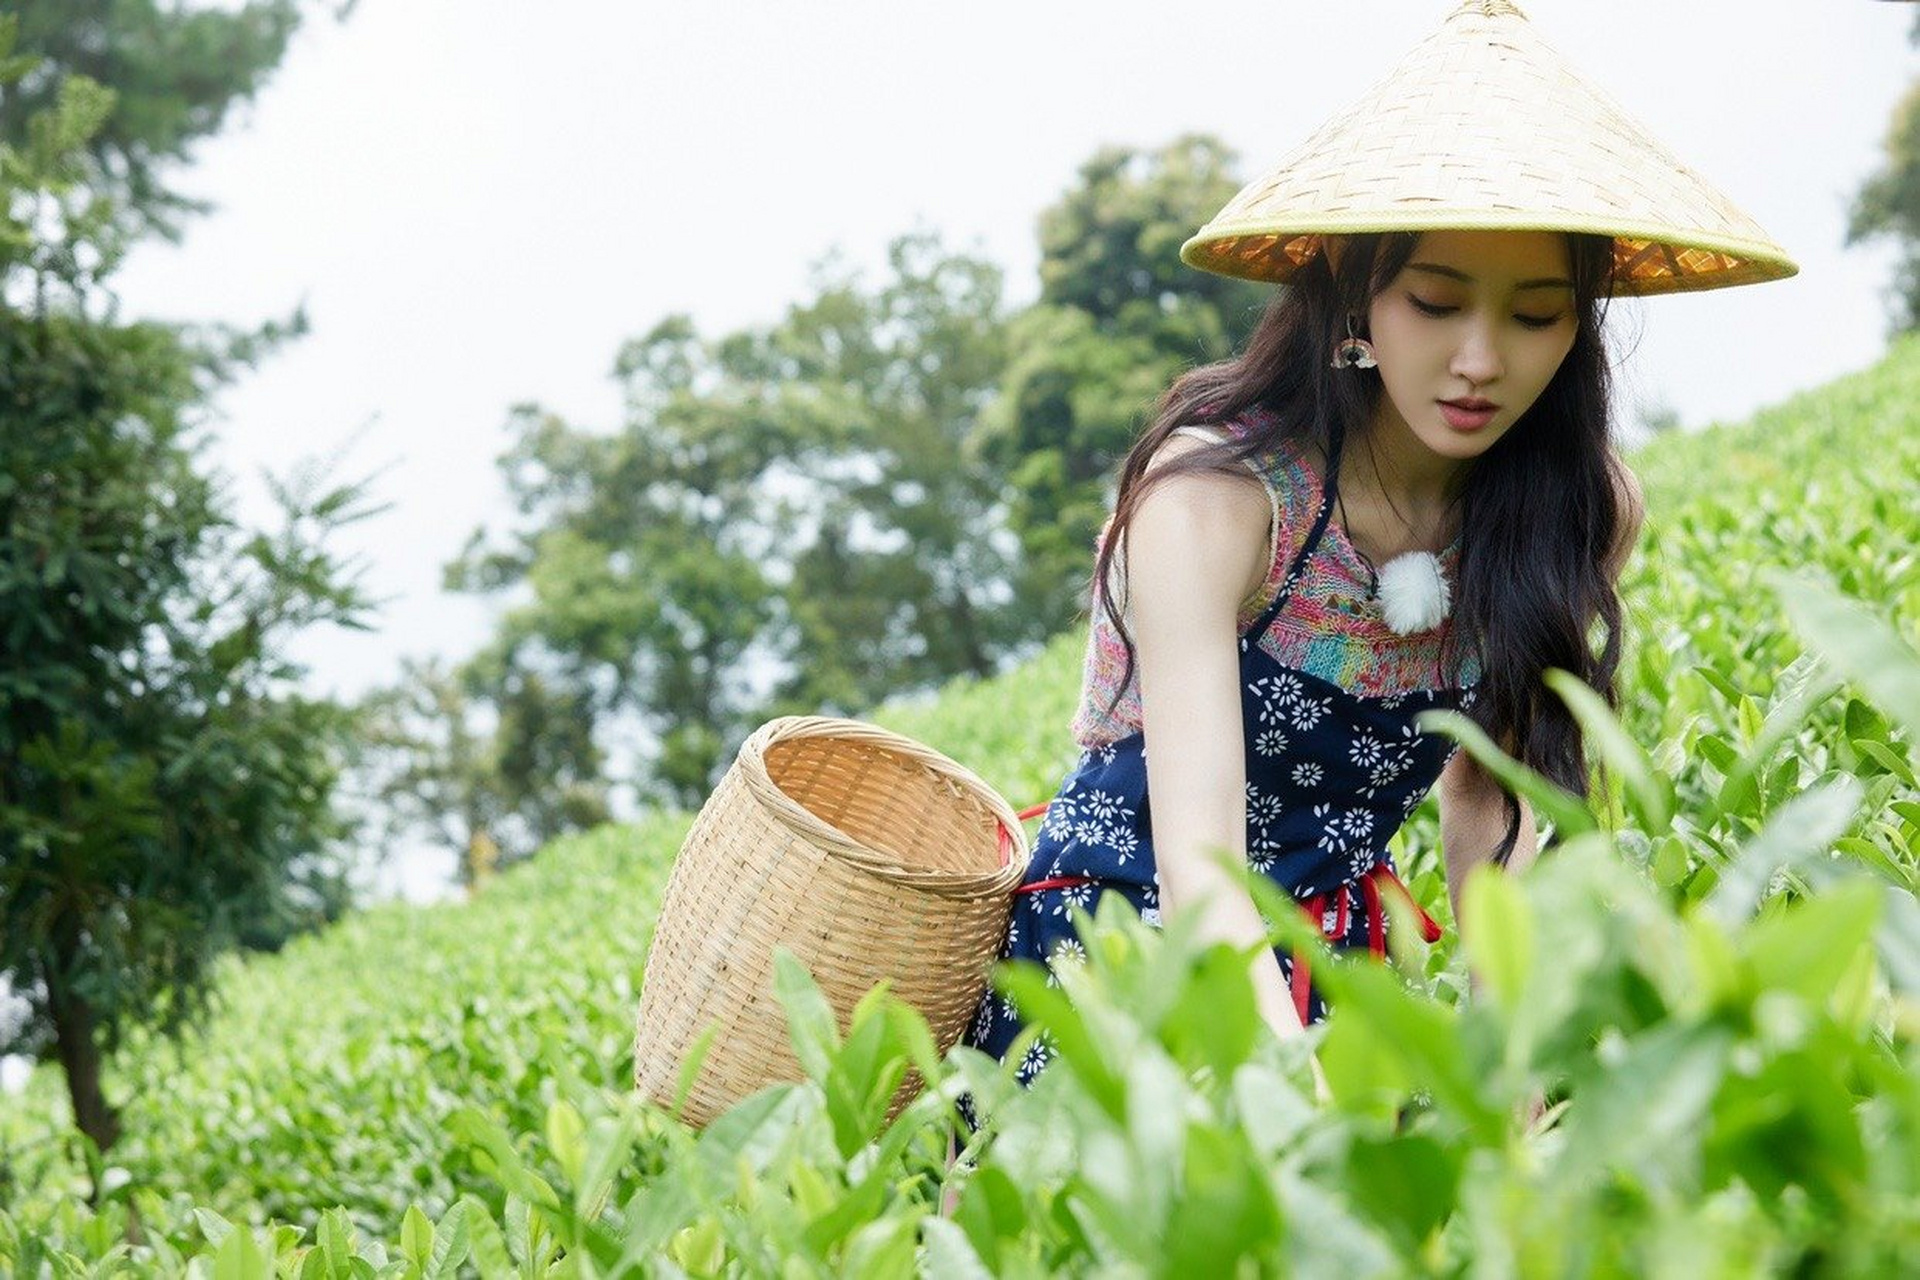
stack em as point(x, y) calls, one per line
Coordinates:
point(1277, 1010)
point(1322, 1092)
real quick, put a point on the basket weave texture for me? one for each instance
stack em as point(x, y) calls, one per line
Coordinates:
point(1485, 126)
point(868, 855)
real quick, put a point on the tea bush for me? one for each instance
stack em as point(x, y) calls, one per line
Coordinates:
point(1713, 982)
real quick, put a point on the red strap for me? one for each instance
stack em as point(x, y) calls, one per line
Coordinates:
point(1057, 882)
point(1429, 927)
point(1006, 836)
point(1316, 909)
point(1376, 924)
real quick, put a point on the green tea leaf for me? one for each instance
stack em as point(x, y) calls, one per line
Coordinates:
point(491, 1256)
point(810, 1020)
point(1899, 941)
point(1407, 1184)
point(1569, 815)
point(1217, 1026)
point(753, 1129)
point(1720, 683)
point(240, 1258)
point(950, 1255)
point(484, 1135)
point(450, 1243)
point(1049, 1010)
point(690, 1067)
point(1497, 931)
point(1385, 1019)
point(1650, 794)
point(609, 1145)
point(1883, 755)
point(991, 1210)
point(416, 1236)
point(566, 1138)
point(1856, 640)
point(1625, 1113)
point(1224, 1211)
point(1807, 947)
point(1800, 830)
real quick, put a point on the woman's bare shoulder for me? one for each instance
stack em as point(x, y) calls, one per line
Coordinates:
point(1198, 539)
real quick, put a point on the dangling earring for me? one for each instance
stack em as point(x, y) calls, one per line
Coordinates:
point(1353, 351)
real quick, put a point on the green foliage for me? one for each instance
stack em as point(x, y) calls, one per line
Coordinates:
point(491, 793)
point(1119, 317)
point(894, 485)
point(896, 573)
point(175, 72)
point(807, 494)
point(1712, 984)
point(1888, 206)
point(165, 792)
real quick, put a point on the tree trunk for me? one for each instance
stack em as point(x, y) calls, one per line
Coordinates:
point(73, 1027)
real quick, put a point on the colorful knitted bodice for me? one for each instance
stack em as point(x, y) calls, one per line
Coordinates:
point(1330, 628)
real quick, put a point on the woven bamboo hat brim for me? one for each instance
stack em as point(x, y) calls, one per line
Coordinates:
point(868, 855)
point(1483, 126)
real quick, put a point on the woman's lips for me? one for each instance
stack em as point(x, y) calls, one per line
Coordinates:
point(1466, 419)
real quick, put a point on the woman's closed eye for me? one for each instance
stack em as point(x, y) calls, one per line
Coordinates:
point(1435, 309)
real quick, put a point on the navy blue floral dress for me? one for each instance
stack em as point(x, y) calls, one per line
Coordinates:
point(1331, 775)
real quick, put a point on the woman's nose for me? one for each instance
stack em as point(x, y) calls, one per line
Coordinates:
point(1478, 357)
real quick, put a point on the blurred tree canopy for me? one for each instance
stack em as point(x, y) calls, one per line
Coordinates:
point(1119, 317)
point(166, 793)
point(897, 483)
point(478, 757)
point(175, 74)
point(1888, 203)
point(802, 497)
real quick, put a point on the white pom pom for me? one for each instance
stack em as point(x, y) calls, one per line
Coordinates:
point(1413, 593)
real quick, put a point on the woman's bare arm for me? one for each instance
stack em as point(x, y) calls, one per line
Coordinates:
point(1196, 550)
point(1473, 819)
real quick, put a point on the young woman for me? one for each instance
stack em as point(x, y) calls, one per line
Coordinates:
point(1401, 495)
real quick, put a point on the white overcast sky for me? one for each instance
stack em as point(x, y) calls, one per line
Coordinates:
point(479, 200)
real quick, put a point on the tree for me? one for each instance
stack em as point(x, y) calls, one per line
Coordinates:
point(175, 73)
point(807, 496)
point(642, 554)
point(1118, 318)
point(165, 793)
point(1888, 203)
point(900, 579)
point(491, 794)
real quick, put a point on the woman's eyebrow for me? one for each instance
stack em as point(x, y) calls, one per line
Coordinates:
point(1544, 282)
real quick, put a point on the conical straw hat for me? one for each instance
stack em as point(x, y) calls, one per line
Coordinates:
point(1484, 126)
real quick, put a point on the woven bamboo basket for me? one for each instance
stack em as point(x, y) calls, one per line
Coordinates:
point(869, 856)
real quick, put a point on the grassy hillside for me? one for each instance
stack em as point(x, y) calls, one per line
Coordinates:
point(372, 1067)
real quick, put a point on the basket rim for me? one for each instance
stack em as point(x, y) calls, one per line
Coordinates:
point(876, 858)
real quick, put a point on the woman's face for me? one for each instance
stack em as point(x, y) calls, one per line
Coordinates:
point(1473, 316)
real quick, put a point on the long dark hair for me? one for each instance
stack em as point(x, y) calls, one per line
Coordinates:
point(1538, 510)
